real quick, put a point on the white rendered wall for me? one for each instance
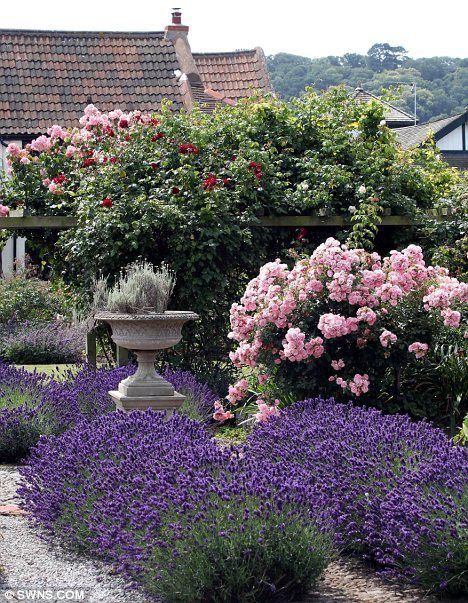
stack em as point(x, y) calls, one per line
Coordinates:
point(453, 141)
point(8, 260)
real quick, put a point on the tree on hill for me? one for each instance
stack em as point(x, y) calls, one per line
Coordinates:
point(442, 82)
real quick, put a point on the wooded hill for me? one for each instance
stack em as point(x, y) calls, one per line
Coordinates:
point(441, 82)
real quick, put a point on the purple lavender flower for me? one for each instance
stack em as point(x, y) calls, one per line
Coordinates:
point(393, 490)
point(167, 507)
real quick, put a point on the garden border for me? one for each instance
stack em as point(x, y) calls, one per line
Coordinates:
point(26, 222)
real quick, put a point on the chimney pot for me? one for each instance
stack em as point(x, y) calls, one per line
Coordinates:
point(176, 16)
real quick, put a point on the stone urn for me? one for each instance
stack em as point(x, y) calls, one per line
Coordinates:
point(145, 334)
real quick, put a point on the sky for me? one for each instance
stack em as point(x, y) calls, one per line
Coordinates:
point(308, 28)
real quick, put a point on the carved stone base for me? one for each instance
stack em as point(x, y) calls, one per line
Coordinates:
point(127, 403)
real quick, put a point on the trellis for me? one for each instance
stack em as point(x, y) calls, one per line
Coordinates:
point(64, 222)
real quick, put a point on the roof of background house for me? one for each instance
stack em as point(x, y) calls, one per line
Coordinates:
point(415, 135)
point(49, 77)
point(393, 116)
point(234, 74)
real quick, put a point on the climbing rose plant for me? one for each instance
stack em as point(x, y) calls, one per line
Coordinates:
point(188, 189)
point(339, 321)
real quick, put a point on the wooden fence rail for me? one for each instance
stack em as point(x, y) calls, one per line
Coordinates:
point(64, 222)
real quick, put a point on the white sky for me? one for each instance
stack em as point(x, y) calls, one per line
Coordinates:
point(307, 27)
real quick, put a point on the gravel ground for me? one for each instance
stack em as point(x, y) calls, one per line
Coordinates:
point(27, 562)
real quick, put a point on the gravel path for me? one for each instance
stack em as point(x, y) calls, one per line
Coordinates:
point(27, 562)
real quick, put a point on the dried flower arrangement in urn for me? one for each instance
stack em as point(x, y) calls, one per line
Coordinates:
point(136, 310)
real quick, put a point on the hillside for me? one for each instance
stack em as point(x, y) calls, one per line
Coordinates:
point(441, 82)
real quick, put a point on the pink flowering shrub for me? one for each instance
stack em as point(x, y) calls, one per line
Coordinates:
point(342, 322)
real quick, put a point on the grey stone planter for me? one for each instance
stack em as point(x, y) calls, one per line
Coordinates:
point(145, 334)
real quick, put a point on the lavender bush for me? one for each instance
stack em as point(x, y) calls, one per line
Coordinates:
point(393, 490)
point(200, 398)
point(42, 343)
point(188, 520)
point(32, 405)
point(20, 425)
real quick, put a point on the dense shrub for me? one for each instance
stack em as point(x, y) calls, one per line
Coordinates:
point(200, 401)
point(393, 490)
point(32, 405)
point(447, 240)
point(345, 320)
point(25, 297)
point(20, 425)
point(187, 189)
point(54, 342)
point(167, 506)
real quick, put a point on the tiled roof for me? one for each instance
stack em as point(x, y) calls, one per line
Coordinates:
point(49, 77)
point(234, 74)
point(393, 116)
point(416, 135)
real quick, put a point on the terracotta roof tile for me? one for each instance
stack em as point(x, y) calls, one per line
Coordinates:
point(48, 77)
point(234, 74)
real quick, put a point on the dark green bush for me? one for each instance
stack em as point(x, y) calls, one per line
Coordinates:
point(23, 296)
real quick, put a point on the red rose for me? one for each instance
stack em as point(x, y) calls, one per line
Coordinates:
point(257, 169)
point(188, 149)
point(210, 182)
point(154, 121)
point(109, 131)
point(157, 136)
point(60, 179)
point(155, 164)
point(175, 190)
point(123, 123)
point(302, 234)
point(228, 183)
point(114, 159)
point(88, 162)
point(106, 202)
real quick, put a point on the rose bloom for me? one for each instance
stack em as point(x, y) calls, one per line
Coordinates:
point(210, 182)
point(4, 211)
point(106, 202)
point(418, 349)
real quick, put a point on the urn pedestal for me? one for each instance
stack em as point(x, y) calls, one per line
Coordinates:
point(145, 334)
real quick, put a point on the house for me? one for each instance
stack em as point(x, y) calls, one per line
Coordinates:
point(48, 77)
point(450, 135)
point(395, 117)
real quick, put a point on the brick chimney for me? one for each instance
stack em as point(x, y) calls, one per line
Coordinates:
point(177, 33)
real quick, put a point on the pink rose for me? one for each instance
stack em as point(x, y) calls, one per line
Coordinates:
point(418, 349)
point(4, 211)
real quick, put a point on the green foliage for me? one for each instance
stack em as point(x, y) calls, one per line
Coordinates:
point(447, 240)
point(441, 81)
point(198, 212)
point(462, 436)
point(253, 558)
point(443, 379)
point(23, 296)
